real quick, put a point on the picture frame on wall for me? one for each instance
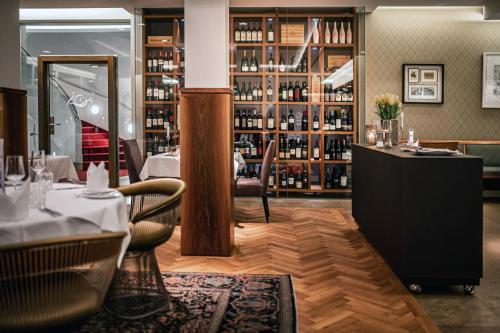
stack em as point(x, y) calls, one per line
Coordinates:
point(491, 80)
point(423, 83)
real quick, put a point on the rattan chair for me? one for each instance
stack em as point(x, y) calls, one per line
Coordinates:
point(50, 284)
point(138, 290)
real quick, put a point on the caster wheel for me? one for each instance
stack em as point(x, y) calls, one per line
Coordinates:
point(469, 289)
point(415, 288)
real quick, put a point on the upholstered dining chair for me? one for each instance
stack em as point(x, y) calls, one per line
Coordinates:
point(50, 284)
point(248, 186)
point(138, 290)
point(133, 159)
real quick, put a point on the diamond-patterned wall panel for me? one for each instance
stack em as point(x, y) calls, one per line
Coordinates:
point(456, 38)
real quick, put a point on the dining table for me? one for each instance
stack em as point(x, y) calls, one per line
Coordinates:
point(169, 166)
point(69, 213)
point(62, 167)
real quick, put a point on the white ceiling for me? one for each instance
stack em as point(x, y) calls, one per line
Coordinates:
point(370, 5)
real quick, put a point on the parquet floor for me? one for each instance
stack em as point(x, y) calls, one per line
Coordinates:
point(341, 283)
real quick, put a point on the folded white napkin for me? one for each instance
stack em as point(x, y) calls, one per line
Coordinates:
point(97, 178)
point(14, 205)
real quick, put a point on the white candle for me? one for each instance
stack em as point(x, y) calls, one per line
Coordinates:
point(402, 120)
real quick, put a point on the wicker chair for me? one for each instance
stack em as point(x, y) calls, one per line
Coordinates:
point(133, 159)
point(138, 290)
point(50, 284)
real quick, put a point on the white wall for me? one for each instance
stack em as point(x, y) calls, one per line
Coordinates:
point(10, 70)
point(207, 43)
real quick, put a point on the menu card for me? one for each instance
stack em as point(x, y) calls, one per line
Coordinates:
point(2, 175)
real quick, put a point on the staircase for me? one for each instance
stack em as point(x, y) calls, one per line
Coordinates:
point(95, 148)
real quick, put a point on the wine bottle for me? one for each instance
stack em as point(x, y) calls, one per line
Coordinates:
point(284, 92)
point(335, 33)
point(315, 122)
point(332, 121)
point(236, 92)
point(338, 121)
point(171, 62)
point(162, 63)
point(149, 120)
point(253, 151)
point(244, 62)
point(343, 179)
point(182, 64)
point(291, 121)
point(283, 178)
point(348, 36)
point(290, 91)
point(283, 122)
point(161, 92)
point(270, 34)
point(305, 179)
point(243, 34)
point(292, 149)
point(287, 150)
point(304, 64)
point(254, 65)
point(149, 146)
point(149, 91)
point(270, 121)
point(270, 182)
point(249, 93)
point(155, 91)
point(328, 179)
point(259, 121)
point(259, 93)
point(298, 150)
point(298, 180)
point(237, 120)
point(304, 150)
point(305, 121)
point(327, 150)
point(255, 120)
point(291, 178)
point(335, 179)
point(259, 33)
point(282, 66)
point(327, 34)
point(332, 94)
point(150, 63)
point(343, 150)
point(270, 63)
point(326, 94)
point(342, 33)
point(316, 32)
point(243, 120)
point(326, 122)
point(237, 34)
point(343, 120)
point(254, 33)
point(243, 93)
point(336, 150)
point(316, 151)
point(255, 93)
point(249, 33)
point(154, 121)
point(296, 92)
point(269, 92)
point(304, 92)
point(155, 63)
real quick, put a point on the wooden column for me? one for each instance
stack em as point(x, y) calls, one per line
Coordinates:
point(207, 166)
point(14, 122)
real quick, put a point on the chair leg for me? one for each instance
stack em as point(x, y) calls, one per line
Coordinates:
point(137, 290)
point(266, 207)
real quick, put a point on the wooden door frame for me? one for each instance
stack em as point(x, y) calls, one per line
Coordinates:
point(44, 106)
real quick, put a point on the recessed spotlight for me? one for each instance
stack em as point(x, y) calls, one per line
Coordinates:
point(45, 51)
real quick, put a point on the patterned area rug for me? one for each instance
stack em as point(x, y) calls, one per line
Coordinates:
point(212, 302)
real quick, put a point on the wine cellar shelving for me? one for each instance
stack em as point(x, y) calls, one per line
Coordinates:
point(321, 65)
point(163, 77)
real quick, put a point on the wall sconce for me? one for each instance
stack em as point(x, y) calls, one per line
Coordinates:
point(371, 135)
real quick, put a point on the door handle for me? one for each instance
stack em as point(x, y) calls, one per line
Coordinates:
point(52, 125)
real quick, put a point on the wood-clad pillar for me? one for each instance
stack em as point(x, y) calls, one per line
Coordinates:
point(14, 122)
point(207, 167)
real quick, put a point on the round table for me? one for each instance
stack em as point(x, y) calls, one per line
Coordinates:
point(62, 167)
point(80, 216)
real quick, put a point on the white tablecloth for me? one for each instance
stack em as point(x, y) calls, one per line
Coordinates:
point(81, 216)
point(62, 167)
point(162, 165)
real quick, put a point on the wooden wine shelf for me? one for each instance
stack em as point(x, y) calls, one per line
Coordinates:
point(320, 50)
point(147, 19)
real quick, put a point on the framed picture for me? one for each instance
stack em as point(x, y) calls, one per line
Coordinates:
point(491, 80)
point(413, 75)
point(423, 83)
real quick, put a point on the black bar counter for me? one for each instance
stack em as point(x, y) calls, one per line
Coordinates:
point(424, 214)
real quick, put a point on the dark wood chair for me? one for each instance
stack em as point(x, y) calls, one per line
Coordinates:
point(133, 158)
point(451, 145)
point(253, 187)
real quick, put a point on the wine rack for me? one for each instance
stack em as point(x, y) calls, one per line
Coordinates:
point(320, 58)
point(163, 38)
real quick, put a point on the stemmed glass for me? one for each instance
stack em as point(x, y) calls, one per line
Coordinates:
point(39, 163)
point(14, 169)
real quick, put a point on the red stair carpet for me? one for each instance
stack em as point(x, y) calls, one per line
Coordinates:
point(95, 148)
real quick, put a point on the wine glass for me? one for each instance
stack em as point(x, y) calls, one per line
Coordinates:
point(39, 163)
point(14, 169)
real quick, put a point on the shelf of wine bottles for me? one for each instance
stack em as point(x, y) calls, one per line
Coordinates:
point(301, 95)
point(163, 76)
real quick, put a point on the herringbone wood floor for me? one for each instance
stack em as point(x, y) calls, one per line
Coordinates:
point(341, 283)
